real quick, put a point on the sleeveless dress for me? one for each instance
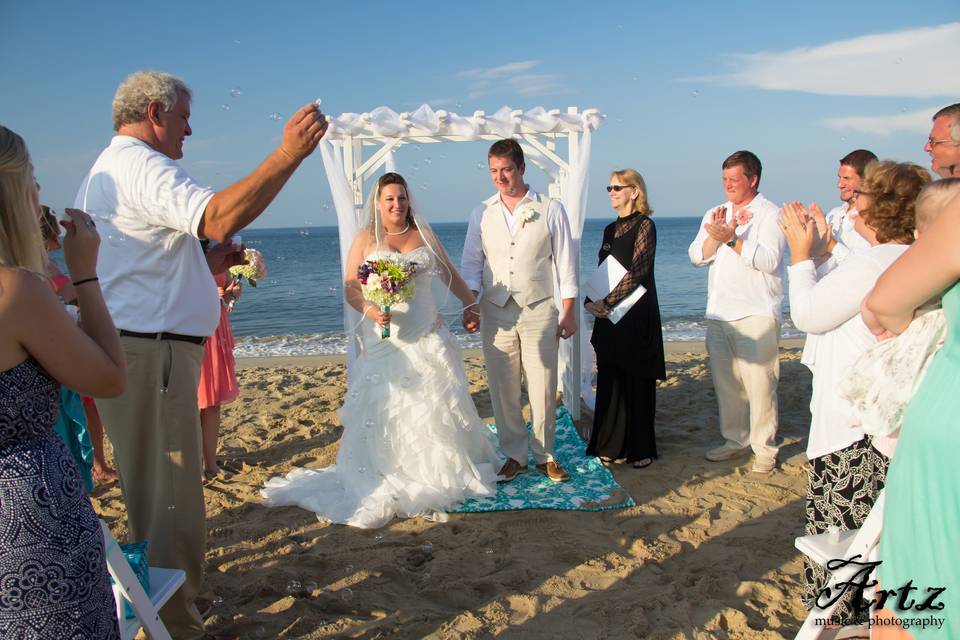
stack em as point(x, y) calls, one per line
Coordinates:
point(413, 443)
point(53, 572)
point(218, 377)
point(921, 519)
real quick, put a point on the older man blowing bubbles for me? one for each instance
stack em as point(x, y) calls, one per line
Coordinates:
point(163, 299)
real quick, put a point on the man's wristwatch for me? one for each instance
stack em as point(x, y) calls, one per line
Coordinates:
point(733, 242)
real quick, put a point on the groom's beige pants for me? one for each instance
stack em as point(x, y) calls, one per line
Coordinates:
point(516, 337)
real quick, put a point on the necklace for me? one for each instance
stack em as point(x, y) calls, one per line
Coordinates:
point(397, 233)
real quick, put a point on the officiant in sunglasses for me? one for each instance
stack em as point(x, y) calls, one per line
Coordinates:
point(627, 336)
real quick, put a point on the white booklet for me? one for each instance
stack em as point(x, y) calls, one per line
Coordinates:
point(607, 276)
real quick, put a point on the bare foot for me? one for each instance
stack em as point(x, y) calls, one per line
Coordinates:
point(103, 473)
point(211, 474)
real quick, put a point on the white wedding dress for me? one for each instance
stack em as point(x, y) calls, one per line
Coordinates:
point(413, 443)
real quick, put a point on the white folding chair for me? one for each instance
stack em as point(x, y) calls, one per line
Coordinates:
point(821, 548)
point(126, 588)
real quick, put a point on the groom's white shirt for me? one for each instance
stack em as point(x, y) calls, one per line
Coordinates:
point(564, 258)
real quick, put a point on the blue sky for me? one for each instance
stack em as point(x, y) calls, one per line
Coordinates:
point(682, 86)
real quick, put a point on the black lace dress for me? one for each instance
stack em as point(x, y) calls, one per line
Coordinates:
point(53, 572)
point(630, 352)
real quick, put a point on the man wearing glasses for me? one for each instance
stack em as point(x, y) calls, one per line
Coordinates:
point(841, 218)
point(744, 247)
point(943, 145)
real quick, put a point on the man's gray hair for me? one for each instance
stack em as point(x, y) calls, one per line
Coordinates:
point(138, 89)
point(952, 111)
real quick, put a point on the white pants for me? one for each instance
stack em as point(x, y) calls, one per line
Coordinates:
point(515, 337)
point(745, 365)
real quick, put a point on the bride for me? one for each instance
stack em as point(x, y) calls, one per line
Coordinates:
point(413, 443)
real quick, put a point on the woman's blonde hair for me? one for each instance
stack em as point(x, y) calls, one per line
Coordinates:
point(632, 178)
point(21, 243)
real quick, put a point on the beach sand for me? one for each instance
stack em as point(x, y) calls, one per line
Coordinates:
point(707, 553)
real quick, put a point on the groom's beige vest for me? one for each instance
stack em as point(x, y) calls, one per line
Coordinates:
point(518, 266)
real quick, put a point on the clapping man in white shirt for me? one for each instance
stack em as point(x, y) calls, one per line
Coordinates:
point(840, 219)
point(743, 246)
point(163, 299)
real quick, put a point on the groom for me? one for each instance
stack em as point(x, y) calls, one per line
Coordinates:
point(518, 244)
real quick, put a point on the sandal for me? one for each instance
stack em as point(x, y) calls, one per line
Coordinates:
point(642, 464)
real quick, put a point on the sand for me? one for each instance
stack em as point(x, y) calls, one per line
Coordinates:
point(707, 553)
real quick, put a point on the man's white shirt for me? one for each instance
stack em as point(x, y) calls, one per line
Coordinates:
point(749, 284)
point(840, 220)
point(153, 273)
point(564, 258)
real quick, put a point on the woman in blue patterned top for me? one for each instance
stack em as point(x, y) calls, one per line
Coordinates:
point(53, 574)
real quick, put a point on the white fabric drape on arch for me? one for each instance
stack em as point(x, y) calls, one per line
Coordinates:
point(387, 125)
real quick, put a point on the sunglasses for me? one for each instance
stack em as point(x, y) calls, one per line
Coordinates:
point(618, 187)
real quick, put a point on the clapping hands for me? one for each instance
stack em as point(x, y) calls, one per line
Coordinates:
point(806, 231)
point(717, 228)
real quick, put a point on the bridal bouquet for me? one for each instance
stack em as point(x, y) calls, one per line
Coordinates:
point(387, 282)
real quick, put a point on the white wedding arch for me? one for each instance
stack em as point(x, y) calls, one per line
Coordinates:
point(538, 130)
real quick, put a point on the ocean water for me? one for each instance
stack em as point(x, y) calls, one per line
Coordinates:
point(298, 308)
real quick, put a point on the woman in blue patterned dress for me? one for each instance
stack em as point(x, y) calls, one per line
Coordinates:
point(53, 573)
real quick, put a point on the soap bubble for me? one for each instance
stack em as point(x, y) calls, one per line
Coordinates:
point(348, 569)
point(236, 92)
point(378, 537)
point(225, 107)
point(369, 423)
point(216, 601)
point(276, 117)
point(346, 594)
point(695, 93)
point(318, 102)
point(294, 586)
point(260, 632)
point(427, 547)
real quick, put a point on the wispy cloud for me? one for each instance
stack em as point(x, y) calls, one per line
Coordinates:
point(910, 121)
point(513, 75)
point(497, 72)
point(917, 63)
point(538, 84)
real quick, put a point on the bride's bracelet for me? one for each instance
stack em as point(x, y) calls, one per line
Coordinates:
point(472, 304)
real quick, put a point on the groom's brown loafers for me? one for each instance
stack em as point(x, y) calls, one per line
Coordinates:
point(510, 470)
point(554, 471)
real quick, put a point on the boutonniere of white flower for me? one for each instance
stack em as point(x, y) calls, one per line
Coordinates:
point(528, 214)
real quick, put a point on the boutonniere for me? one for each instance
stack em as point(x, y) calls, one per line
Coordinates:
point(743, 217)
point(527, 214)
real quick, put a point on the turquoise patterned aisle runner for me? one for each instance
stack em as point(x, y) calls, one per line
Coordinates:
point(591, 486)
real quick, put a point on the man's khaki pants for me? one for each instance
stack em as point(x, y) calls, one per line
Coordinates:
point(155, 431)
point(745, 365)
point(515, 337)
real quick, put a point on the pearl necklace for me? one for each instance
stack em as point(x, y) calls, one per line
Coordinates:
point(397, 233)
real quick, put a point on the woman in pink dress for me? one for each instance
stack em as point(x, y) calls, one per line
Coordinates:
point(218, 378)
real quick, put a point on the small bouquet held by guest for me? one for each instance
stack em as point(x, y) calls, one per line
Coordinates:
point(387, 282)
point(254, 269)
